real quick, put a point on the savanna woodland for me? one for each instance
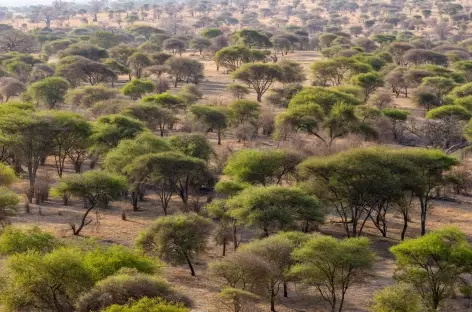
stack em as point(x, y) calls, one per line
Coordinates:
point(236, 156)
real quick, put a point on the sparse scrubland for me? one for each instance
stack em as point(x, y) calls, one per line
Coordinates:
point(236, 155)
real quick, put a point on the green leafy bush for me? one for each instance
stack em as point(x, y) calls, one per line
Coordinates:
point(14, 240)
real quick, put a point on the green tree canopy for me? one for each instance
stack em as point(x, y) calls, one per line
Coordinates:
point(109, 130)
point(332, 266)
point(49, 91)
point(275, 208)
point(433, 264)
point(136, 88)
point(214, 118)
point(94, 187)
point(259, 76)
point(262, 167)
point(178, 239)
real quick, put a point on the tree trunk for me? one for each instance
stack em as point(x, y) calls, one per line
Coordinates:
point(272, 300)
point(285, 290)
point(82, 222)
point(192, 271)
point(65, 199)
point(134, 200)
point(405, 225)
point(423, 205)
point(235, 237)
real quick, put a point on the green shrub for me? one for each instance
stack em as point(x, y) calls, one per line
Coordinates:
point(14, 240)
point(125, 286)
point(103, 262)
point(147, 305)
point(396, 298)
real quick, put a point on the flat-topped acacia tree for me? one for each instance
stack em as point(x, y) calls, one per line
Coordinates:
point(94, 187)
point(178, 239)
point(259, 76)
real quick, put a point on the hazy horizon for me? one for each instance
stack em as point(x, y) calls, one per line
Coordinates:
point(18, 3)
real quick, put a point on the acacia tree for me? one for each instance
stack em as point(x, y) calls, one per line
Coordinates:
point(398, 297)
point(332, 266)
point(175, 172)
point(369, 82)
point(46, 282)
point(275, 251)
point(109, 130)
point(200, 44)
point(398, 81)
point(433, 264)
point(252, 38)
point(12, 40)
point(54, 280)
point(126, 151)
point(74, 130)
point(259, 76)
point(238, 91)
point(30, 136)
point(214, 118)
point(353, 188)
point(94, 187)
point(49, 91)
point(137, 62)
point(430, 167)
point(244, 111)
point(362, 184)
point(156, 118)
point(165, 100)
point(10, 87)
point(95, 7)
point(136, 88)
point(317, 108)
point(235, 56)
point(439, 86)
point(87, 96)
point(262, 167)
point(174, 45)
point(193, 145)
point(227, 227)
point(128, 286)
point(178, 239)
point(185, 69)
point(275, 208)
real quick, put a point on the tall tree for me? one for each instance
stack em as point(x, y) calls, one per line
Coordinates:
point(214, 118)
point(259, 76)
point(156, 118)
point(93, 187)
point(73, 131)
point(433, 264)
point(49, 91)
point(262, 167)
point(30, 136)
point(126, 151)
point(332, 266)
point(275, 208)
point(175, 171)
point(178, 239)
